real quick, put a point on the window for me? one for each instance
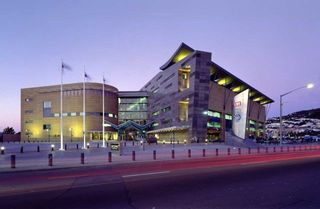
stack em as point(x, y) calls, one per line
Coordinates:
point(46, 126)
point(73, 114)
point(213, 114)
point(155, 124)
point(110, 115)
point(28, 111)
point(228, 117)
point(166, 109)
point(56, 114)
point(168, 86)
point(156, 113)
point(29, 121)
point(28, 99)
point(47, 109)
point(47, 104)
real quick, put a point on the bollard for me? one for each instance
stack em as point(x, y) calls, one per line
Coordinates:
point(300, 148)
point(13, 161)
point(305, 147)
point(65, 147)
point(294, 148)
point(132, 143)
point(52, 147)
point(249, 150)
point(281, 149)
point(2, 150)
point(82, 158)
point(98, 145)
point(125, 144)
point(133, 155)
point(50, 160)
point(154, 154)
point(21, 149)
point(258, 150)
point(239, 151)
point(228, 151)
point(203, 152)
point(172, 154)
point(110, 157)
point(189, 153)
point(217, 152)
point(77, 146)
point(288, 149)
point(274, 149)
point(38, 148)
point(107, 144)
point(266, 149)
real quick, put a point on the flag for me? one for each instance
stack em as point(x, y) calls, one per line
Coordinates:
point(87, 76)
point(65, 66)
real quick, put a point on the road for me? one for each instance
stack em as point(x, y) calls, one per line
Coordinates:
point(286, 180)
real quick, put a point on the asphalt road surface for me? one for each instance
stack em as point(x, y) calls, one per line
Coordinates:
point(270, 184)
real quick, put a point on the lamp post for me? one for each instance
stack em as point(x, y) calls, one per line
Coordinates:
point(70, 129)
point(308, 86)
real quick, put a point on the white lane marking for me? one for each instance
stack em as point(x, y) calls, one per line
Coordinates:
point(144, 174)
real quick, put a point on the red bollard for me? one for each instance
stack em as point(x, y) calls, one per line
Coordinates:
point(154, 154)
point(172, 154)
point(239, 151)
point(50, 160)
point(82, 158)
point(133, 155)
point(13, 161)
point(217, 152)
point(228, 151)
point(203, 152)
point(189, 153)
point(110, 157)
point(249, 150)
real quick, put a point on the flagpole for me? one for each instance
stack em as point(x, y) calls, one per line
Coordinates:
point(103, 140)
point(61, 119)
point(84, 110)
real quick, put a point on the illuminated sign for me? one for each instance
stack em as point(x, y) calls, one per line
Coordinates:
point(240, 110)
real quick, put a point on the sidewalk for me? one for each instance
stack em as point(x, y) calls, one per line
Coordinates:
point(30, 159)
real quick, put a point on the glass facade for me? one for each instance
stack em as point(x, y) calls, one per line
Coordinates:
point(133, 109)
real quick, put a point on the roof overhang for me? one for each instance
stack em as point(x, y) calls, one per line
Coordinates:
point(181, 53)
point(235, 84)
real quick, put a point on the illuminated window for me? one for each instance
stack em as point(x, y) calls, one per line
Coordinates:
point(73, 114)
point(183, 109)
point(184, 79)
point(155, 124)
point(213, 114)
point(228, 117)
point(156, 113)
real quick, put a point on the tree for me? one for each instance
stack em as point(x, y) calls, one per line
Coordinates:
point(8, 130)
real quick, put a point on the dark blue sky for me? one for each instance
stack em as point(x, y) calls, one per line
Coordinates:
point(272, 45)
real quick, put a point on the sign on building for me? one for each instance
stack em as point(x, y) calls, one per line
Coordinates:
point(240, 111)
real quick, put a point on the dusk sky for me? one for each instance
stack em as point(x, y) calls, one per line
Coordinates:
point(272, 45)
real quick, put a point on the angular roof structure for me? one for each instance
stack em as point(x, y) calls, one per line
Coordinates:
point(219, 75)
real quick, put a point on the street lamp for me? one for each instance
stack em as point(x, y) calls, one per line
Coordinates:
point(70, 129)
point(308, 86)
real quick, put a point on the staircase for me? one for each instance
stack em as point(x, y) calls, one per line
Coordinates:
point(232, 140)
